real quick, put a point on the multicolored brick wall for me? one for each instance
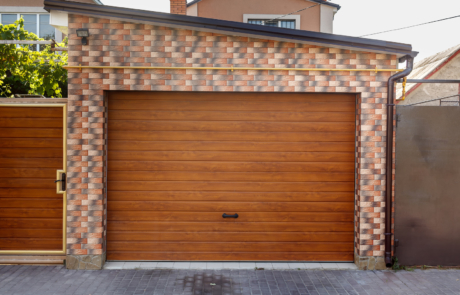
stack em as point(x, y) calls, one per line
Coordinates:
point(116, 43)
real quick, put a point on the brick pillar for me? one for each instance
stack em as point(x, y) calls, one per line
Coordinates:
point(86, 198)
point(178, 6)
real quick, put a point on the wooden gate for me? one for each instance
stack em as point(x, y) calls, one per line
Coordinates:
point(32, 178)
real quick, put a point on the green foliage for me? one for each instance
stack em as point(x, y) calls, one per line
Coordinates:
point(23, 70)
point(396, 266)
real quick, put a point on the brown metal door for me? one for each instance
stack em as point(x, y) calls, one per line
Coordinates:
point(427, 201)
point(31, 159)
point(179, 161)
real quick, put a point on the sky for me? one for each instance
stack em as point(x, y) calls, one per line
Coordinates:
point(360, 17)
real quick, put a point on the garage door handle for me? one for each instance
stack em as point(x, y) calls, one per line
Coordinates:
point(225, 215)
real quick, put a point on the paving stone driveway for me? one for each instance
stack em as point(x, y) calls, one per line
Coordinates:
point(49, 280)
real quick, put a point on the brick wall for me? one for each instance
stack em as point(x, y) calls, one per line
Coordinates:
point(178, 6)
point(115, 43)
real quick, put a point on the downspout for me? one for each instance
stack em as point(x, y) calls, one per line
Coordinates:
point(389, 156)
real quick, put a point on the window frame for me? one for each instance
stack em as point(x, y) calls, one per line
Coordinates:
point(277, 21)
point(279, 17)
point(37, 19)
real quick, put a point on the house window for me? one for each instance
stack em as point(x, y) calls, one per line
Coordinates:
point(39, 24)
point(8, 19)
point(288, 24)
point(47, 31)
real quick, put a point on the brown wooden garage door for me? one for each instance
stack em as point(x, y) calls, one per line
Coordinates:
point(283, 162)
point(31, 151)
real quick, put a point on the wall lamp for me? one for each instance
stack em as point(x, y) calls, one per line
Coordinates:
point(84, 34)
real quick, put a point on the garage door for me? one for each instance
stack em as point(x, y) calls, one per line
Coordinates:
point(179, 162)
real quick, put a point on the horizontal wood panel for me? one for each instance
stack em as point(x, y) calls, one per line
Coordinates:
point(228, 176)
point(31, 150)
point(229, 166)
point(283, 106)
point(183, 115)
point(31, 122)
point(257, 216)
point(30, 244)
point(31, 163)
point(231, 206)
point(179, 160)
point(124, 145)
point(28, 173)
point(31, 143)
point(231, 226)
point(232, 96)
point(230, 246)
point(26, 183)
point(236, 126)
point(31, 153)
point(219, 256)
point(232, 136)
point(31, 223)
point(31, 203)
point(231, 196)
point(28, 193)
point(30, 132)
point(31, 233)
point(232, 236)
point(229, 186)
point(232, 156)
point(30, 112)
point(29, 212)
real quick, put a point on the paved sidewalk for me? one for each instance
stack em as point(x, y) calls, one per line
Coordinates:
point(49, 280)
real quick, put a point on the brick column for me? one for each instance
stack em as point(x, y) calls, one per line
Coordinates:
point(178, 6)
point(85, 152)
point(370, 180)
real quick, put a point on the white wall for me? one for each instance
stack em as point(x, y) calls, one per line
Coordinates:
point(193, 10)
point(327, 19)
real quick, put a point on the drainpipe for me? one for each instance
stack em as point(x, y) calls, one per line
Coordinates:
point(389, 155)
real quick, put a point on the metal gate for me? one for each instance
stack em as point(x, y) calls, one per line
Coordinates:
point(427, 185)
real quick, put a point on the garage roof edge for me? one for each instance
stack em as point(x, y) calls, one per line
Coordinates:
point(232, 28)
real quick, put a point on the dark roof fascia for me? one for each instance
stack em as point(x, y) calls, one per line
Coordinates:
point(231, 28)
point(316, 1)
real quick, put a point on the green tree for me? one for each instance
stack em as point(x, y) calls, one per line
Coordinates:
point(23, 70)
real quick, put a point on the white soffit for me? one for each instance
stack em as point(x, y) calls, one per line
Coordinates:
point(60, 20)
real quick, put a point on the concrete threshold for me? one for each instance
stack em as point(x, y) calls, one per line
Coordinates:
point(26, 259)
point(230, 265)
